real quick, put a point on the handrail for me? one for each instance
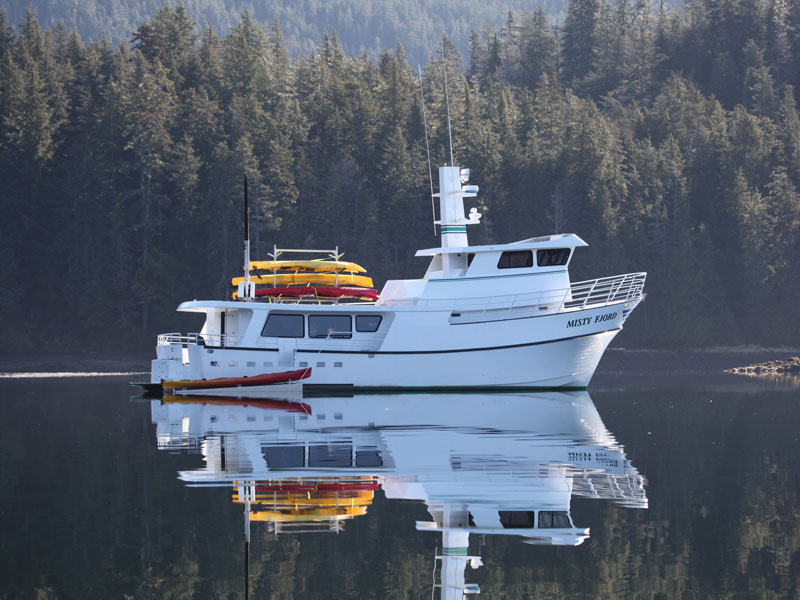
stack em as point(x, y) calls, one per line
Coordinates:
point(579, 295)
point(199, 339)
point(364, 340)
point(604, 290)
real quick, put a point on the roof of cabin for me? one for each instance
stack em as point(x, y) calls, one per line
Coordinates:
point(559, 240)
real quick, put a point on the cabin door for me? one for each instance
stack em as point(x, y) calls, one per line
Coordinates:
point(222, 328)
point(286, 351)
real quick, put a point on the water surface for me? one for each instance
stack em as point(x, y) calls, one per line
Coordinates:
point(686, 492)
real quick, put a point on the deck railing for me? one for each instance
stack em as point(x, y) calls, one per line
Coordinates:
point(583, 294)
point(606, 290)
point(204, 339)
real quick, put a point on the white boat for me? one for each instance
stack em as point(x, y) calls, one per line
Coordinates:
point(482, 316)
point(483, 464)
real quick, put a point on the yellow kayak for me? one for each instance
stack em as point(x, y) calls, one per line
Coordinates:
point(317, 514)
point(306, 265)
point(298, 278)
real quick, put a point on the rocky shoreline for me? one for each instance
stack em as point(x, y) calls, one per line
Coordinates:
point(787, 366)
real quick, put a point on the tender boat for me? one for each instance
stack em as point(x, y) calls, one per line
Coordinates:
point(482, 316)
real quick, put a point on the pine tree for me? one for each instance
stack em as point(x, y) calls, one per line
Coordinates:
point(580, 40)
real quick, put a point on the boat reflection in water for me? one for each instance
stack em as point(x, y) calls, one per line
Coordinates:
point(497, 464)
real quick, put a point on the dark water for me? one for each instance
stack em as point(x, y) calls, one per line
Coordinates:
point(688, 492)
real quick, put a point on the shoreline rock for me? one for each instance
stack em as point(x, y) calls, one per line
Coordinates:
point(787, 366)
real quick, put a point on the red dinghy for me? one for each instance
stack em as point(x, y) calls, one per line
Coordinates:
point(324, 291)
point(233, 382)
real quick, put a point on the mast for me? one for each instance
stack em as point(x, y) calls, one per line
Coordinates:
point(246, 288)
point(453, 222)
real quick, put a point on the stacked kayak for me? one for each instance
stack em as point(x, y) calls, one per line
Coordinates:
point(309, 280)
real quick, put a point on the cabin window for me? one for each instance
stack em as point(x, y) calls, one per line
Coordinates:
point(554, 519)
point(284, 457)
point(517, 259)
point(470, 258)
point(516, 519)
point(552, 257)
point(335, 326)
point(284, 326)
point(368, 458)
point(368, 323)
point(330, 455)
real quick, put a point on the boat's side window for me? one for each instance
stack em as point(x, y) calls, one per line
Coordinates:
point(334, 326)
point(284, 457)
point(286, 326)
point(368, 323)
point(554, 519)
point(470, 258)
point(516, 259)
point(516, 519)
point(330, 455)
point(552, 257)
point(368, 457)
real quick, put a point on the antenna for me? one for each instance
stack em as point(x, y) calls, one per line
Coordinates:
point(447, 98)
point(246, 213)
point(246, 290)
point(427, 148)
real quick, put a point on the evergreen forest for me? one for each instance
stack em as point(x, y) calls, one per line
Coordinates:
point(363, 25)
point(668, 138)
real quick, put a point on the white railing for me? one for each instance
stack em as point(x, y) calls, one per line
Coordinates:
point(550, 300)
point(336, 339)
point(606, 290)
point(583, 294)
point(202, 339)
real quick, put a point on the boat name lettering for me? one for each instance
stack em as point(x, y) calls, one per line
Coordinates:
point(579, 322)
point(588, 320)
point(605, 317)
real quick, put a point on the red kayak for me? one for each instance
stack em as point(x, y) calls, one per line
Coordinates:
point(233, 382)
point(285, 405)
point(323, 291)
point(335, 486)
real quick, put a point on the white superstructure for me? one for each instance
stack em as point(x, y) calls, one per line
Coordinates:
point(491, 315)
point(483, 464)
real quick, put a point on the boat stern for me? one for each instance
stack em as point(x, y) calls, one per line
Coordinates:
point(175, 360)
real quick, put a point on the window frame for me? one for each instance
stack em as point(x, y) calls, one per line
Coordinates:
point(552, 251)
point(378, 326)
point(336, 336)
point(282, 314)
point(510, 253)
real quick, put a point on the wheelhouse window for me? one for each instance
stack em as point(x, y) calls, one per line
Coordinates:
point(368, 323)
point(335, 326)
point(517, 259)
point(552, 257)
point(285, 326)
point(554, 519)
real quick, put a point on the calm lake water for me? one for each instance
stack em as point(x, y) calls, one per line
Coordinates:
point(676, 490)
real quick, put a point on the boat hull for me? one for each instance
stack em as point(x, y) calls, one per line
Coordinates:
point(553, 364)
point(421, 350)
